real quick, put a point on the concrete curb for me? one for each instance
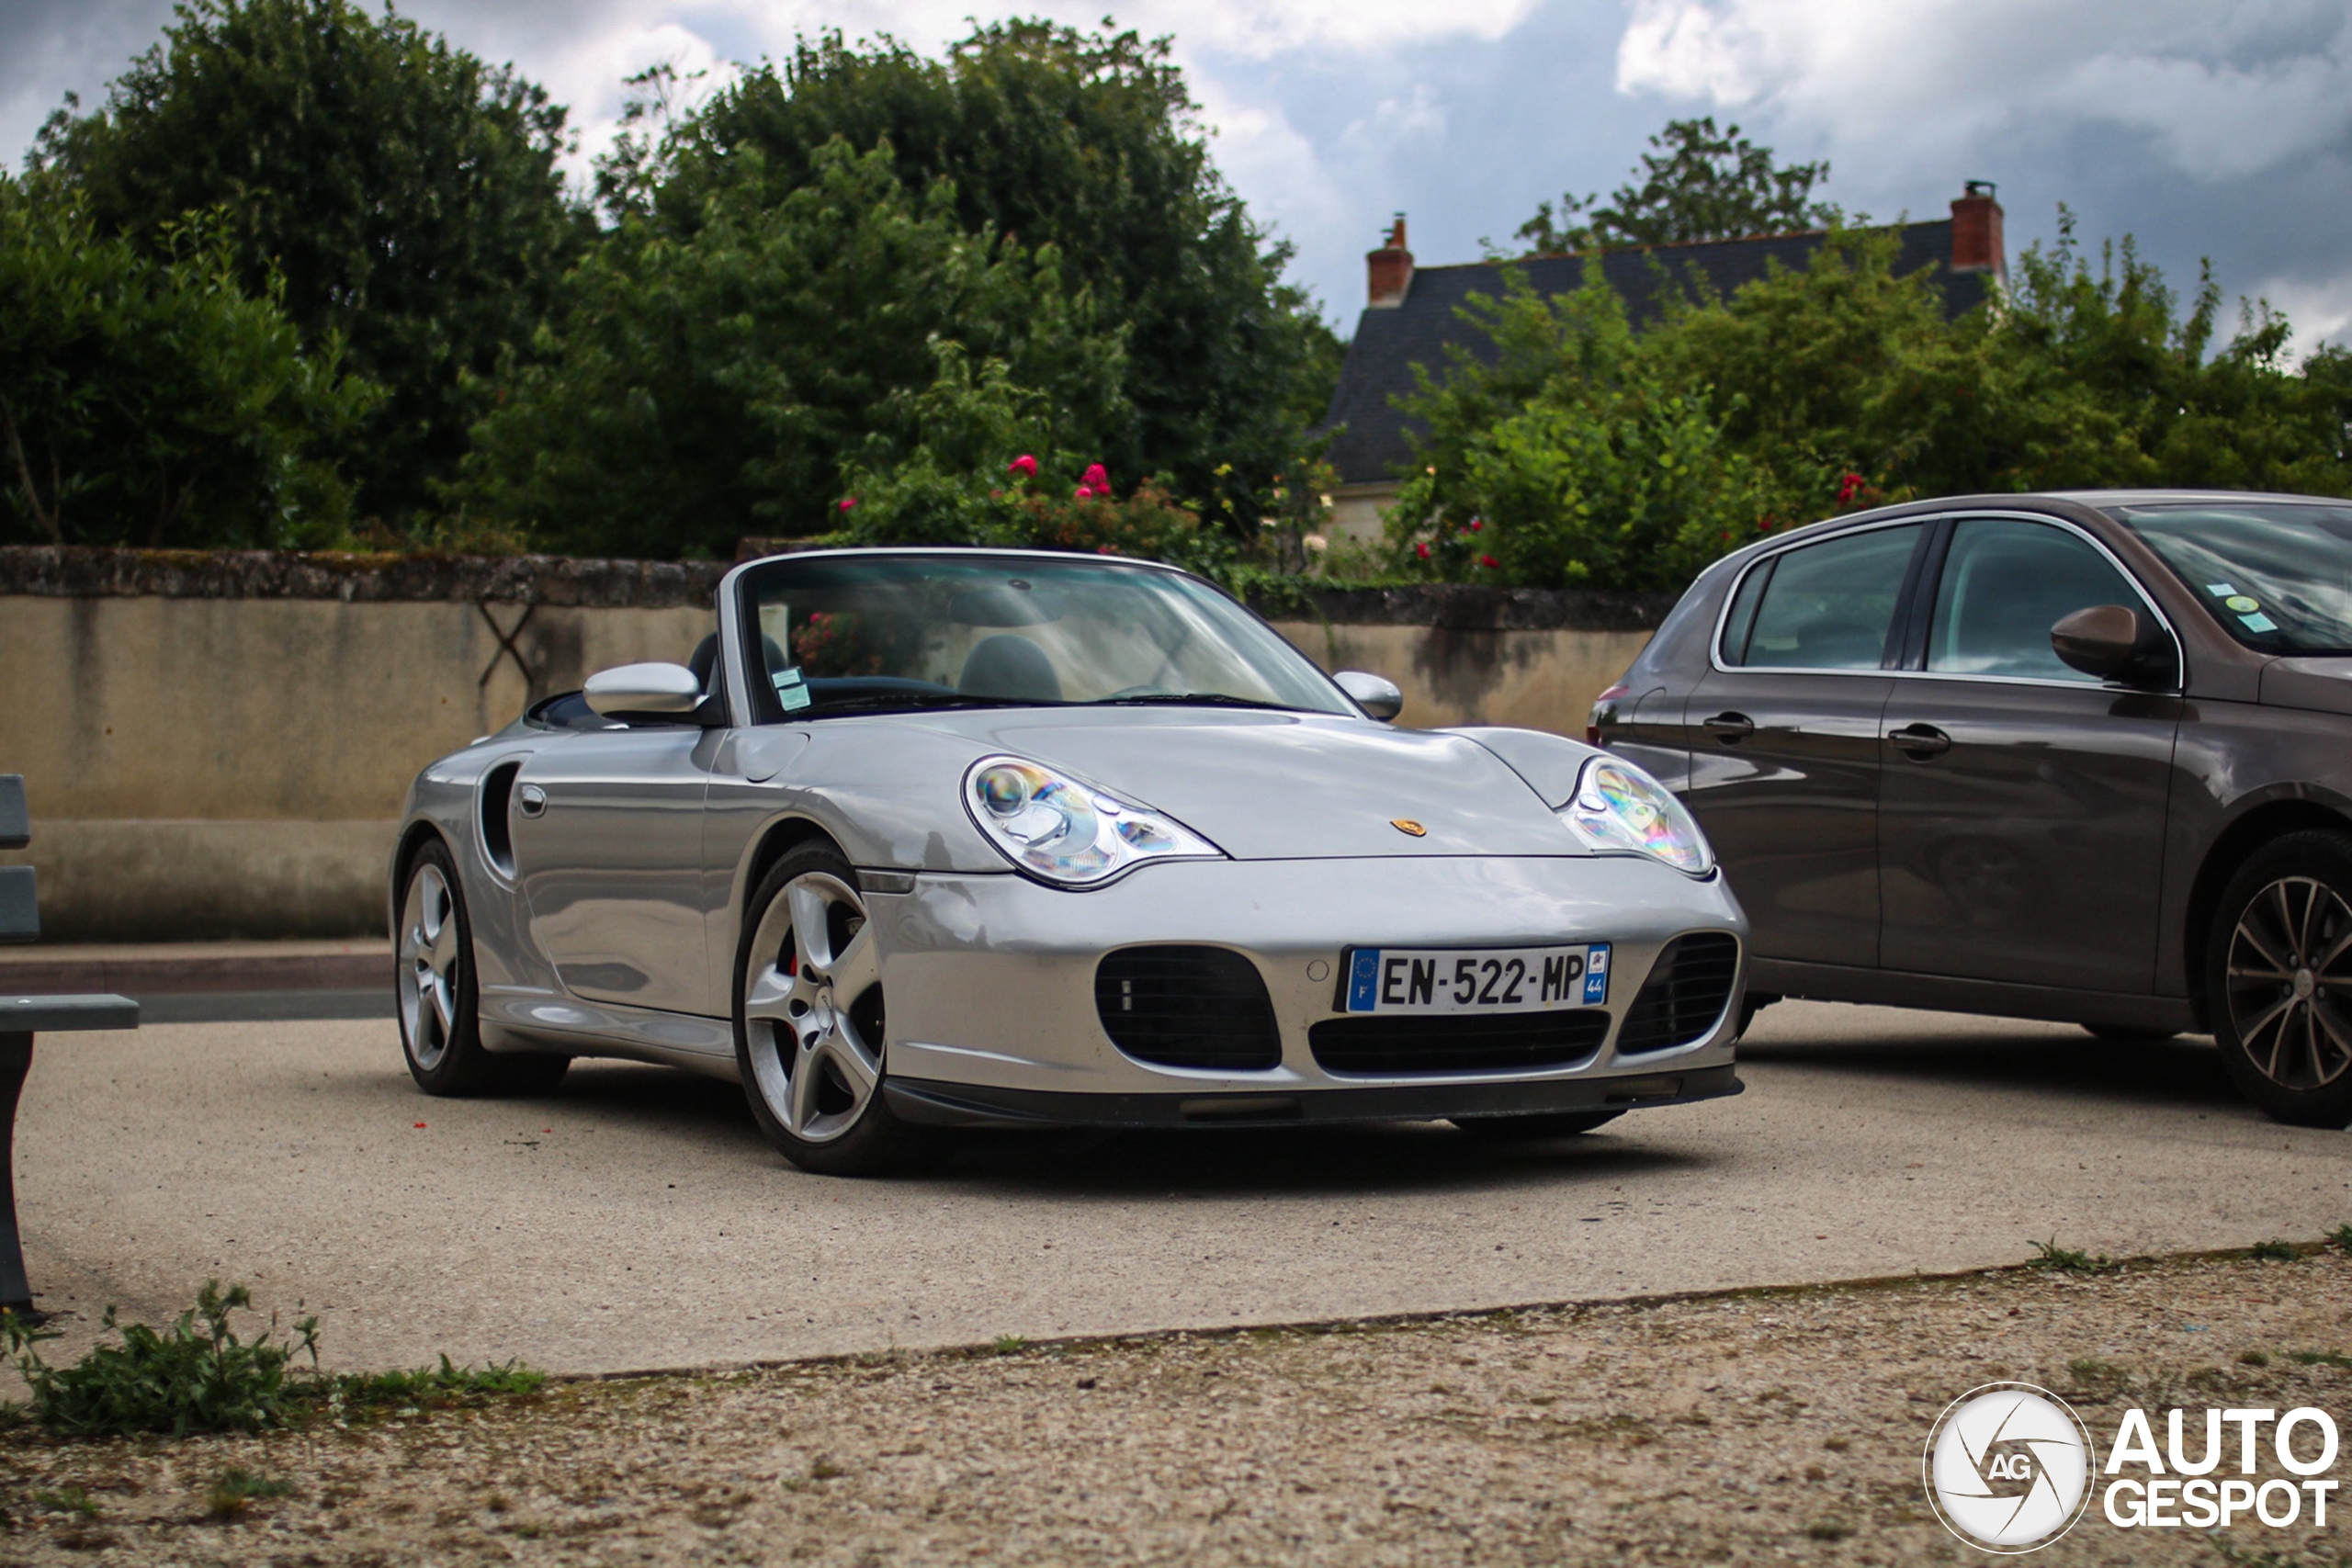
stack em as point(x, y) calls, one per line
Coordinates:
point(142, 976)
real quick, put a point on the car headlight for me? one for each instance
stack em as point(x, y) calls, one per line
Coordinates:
point(1618, 810)
point(1065, 831)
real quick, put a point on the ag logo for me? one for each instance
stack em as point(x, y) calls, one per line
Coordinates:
point(2008, 1467)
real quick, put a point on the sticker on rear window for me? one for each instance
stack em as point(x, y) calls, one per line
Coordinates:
point(2259, 622)
point(2219, 590)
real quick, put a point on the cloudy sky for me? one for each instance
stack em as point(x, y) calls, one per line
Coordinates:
point(2205, 128)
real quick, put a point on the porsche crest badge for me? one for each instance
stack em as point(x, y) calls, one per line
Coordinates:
point(1406, 825)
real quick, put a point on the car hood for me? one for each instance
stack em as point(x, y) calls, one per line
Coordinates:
point(1282, 786)
point(2320, 685)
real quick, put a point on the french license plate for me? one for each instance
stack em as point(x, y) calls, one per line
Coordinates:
point(1483, 979)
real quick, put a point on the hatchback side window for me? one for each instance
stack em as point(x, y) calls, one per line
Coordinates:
point(1824, 607)
point(2005, 584)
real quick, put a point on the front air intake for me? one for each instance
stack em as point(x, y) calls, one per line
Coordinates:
point(1187, 1007)
point(1688, 989)
point(1457, 1042)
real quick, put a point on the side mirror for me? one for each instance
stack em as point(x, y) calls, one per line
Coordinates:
point(2111, 641)
point(636, 690)
point(1376, 695)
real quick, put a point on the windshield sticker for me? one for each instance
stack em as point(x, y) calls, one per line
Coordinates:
point(2259, 622)
point(2219, 590)
point(795, 697)
point(2242, 604)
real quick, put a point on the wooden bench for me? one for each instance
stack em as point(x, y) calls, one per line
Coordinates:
point(21, 1018)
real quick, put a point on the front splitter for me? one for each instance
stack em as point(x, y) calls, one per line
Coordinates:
point(927, 1102)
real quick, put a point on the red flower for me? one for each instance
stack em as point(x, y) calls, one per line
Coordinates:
point(1476, 523)
point(1489, 562)
point(1085, 493)
point(1097, 478)
point(847, 501)
point(1422, 551)
point(1846, 487)
point(1025, 464)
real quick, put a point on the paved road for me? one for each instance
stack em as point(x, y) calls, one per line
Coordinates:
point(636, 1219)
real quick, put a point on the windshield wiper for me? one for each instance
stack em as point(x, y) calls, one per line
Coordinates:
point(1192, 699)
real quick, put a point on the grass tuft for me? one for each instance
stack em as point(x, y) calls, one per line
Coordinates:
point(238, 1489)
point(2274, 1251)
point(2319, 1357)
point(1011, 1344)
point(2067, 1259)
point(2253, 1358)
point(198, 1375)
point(67, 1500)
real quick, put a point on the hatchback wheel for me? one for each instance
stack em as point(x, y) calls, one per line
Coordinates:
point(2279, 979)
point(808, 1020)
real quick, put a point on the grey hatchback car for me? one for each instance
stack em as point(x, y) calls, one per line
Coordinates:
point(2084, 757)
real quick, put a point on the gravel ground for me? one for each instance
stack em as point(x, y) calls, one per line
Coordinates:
point(1771, 1426)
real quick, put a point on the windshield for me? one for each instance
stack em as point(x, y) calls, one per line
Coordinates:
point(861, 633)
point(2278, 575)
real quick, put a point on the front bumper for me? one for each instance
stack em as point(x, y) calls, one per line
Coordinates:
point(991, 981)
point(956, 1105)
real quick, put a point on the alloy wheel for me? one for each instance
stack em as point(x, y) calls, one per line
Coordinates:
point(812, 1008)
point(430, 956)
point(2288, 981)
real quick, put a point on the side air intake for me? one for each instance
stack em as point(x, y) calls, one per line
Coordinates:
point(1688, 989)
point(1187, 1007)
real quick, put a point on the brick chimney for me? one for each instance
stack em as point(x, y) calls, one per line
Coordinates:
point(1976, 232)
point(1389, 270)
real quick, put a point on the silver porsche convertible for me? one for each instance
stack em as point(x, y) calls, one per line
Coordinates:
point(932, 838)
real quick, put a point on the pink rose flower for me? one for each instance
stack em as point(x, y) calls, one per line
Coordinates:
point(1096, 478)
point(1025, 464)
point(847, 501)
point(1489, 562)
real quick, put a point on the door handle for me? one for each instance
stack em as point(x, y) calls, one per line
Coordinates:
point(1919, 741)
point(1731, 728)
point(531, 801)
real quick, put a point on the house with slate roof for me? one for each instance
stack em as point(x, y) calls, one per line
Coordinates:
point(1413, 314)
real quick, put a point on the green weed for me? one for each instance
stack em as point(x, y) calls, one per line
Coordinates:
point(1012, 1344)
point(2341, 1237)
point(2275, 1252)
point(2253, 1358)
point(2319, 1357)
point(67, 1500)
point(199, 1375)
point(196, 1375)
point(239, 1489)
point(2068, 1261)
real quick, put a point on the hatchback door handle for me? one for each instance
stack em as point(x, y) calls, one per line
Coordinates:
point(531, 800)
point(1731, 728)
point(1921, 741)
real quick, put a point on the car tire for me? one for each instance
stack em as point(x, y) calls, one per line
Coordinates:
point(2279, 979)
point(439, 1002)
point(1534, 1129)
point(811, 1056)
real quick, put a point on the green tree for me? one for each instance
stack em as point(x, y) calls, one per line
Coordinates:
point(402, 195)
point(1087, 142)
point(1588, 452)
point(147, 400)
point(1699, 184)
point(740, 374)
point(1577, 459)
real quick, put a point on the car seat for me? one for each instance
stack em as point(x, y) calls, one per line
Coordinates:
point(1012, 668)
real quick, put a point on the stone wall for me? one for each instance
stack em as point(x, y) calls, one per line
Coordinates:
point(216, 746)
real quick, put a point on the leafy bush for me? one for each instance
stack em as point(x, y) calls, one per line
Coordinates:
point(196, 1375)
point(199, 1375)
point(149, 400)
point(1588, 452)
point(703, 386)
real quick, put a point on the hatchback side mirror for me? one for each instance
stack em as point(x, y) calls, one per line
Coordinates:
point(2112, 642)
point(642, 691)
point(1376, 695)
